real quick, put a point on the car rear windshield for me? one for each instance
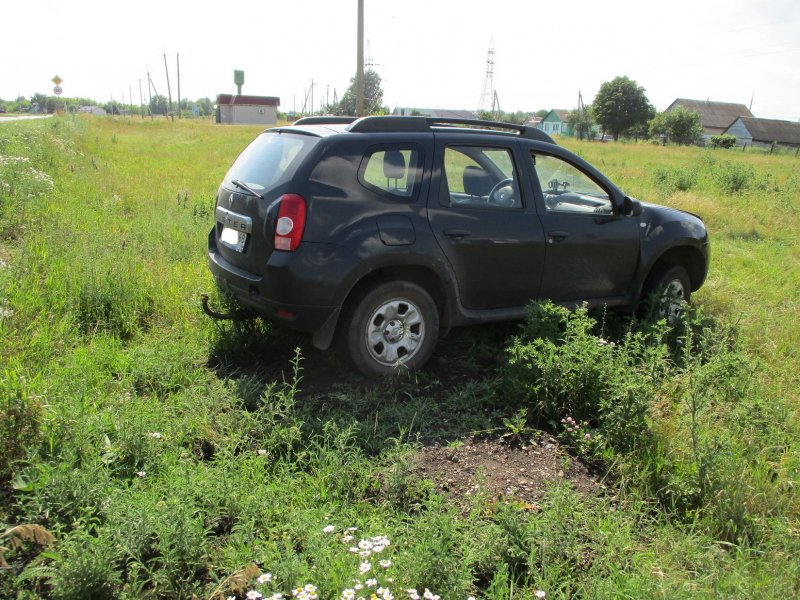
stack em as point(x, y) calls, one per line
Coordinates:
point(270, 160)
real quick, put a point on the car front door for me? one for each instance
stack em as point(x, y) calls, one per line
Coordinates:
point(592, 250)
point(486, 229)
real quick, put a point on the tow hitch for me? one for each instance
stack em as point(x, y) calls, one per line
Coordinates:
point(229, 316)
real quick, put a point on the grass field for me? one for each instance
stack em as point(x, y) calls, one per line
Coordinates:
point(146, 451)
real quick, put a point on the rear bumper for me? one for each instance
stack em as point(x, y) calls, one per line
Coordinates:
point(282, 294)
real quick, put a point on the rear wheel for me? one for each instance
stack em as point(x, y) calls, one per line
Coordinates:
point(668, 289)
point(391, 327)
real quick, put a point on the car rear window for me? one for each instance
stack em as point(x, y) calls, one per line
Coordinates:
point(270, 160)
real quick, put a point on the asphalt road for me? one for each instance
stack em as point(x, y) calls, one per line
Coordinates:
point(23, 118)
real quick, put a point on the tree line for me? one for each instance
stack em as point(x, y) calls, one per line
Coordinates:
point(157, 105)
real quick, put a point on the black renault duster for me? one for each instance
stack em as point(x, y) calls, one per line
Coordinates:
point(385, 232)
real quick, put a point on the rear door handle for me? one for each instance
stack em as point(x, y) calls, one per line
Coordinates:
point(456, 234)
point(557, 236)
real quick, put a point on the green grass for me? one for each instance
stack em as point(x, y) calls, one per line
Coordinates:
point(172, 456)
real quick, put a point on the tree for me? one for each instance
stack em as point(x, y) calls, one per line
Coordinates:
point(158, 105)
point(621, 105)
point(678, 125)
point(373, 96)
point(206, 107)
point(580, 121)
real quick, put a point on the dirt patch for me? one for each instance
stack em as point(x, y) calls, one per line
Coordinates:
point(504, 470)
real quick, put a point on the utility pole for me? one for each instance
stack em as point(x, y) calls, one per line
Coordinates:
point(360, 62)
point(141, 99)
point(130, 99)
point(169, 90)
point(178, 57)
point(151, 87)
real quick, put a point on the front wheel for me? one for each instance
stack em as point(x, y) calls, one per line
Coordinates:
point(669, 289)
point(393, 326)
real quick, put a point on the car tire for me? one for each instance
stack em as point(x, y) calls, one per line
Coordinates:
point(672, 285)
point(392, 327)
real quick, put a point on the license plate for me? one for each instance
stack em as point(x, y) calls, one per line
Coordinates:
point(233, 239)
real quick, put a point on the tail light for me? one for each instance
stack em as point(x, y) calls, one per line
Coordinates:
point(291, 222)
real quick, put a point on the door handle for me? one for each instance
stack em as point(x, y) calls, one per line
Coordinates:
point(456, 234)
point(557, 236)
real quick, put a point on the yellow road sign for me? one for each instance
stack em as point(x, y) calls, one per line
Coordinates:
point(57, 80)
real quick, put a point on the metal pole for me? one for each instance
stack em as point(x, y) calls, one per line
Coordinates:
point(360, 62)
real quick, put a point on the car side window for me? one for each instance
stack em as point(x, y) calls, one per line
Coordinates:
point(390, 171)
point(565, 188)
point(480, 177)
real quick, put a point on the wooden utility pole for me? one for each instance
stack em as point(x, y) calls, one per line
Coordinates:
point(360, 62)
point(141, 99)
point(169, 90)
point(150, 88)
point(178, 57)
point(130, 99)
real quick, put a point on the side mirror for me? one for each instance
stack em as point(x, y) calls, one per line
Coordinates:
point(631, 207)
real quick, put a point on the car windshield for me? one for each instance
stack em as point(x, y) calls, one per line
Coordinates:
point(270, 160)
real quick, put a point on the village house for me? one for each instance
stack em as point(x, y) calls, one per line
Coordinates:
point(750, 131)
point(555, 122)
point(715, 117)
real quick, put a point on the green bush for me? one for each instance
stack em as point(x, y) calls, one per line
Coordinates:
point(723, 140)
point(679, 125)
point(670, 180)
point(649, 403)
point(83, 567)
point(20, 413)
point(732, 177)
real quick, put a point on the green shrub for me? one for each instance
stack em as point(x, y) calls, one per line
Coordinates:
point(117, 301)
point(724, 140)
point(649, 403)
point(83, 567)
point(733, 177)
point(20, 413)
point(670, 180)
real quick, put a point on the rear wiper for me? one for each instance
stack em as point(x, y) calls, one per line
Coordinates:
point(244, 186)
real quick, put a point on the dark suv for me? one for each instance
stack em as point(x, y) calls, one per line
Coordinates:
point(387, 231)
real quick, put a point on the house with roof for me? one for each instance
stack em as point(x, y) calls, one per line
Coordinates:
point(715, 117)
point(250, 110)
point(437, 113)
point(750, 131)
point(555, 122)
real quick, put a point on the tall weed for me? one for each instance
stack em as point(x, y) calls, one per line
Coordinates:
point(733, 177)
point(20, 416)
point(654, 400)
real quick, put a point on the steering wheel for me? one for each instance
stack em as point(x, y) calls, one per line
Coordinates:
point(504, 197)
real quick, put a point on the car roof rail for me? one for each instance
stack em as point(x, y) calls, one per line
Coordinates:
point(390, 123)
point(325, 120)
point(523, 130)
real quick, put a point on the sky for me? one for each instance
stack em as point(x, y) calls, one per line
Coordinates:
point(429, 54)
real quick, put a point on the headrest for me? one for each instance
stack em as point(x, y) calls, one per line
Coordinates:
point(476, 181)
point(394, 164)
